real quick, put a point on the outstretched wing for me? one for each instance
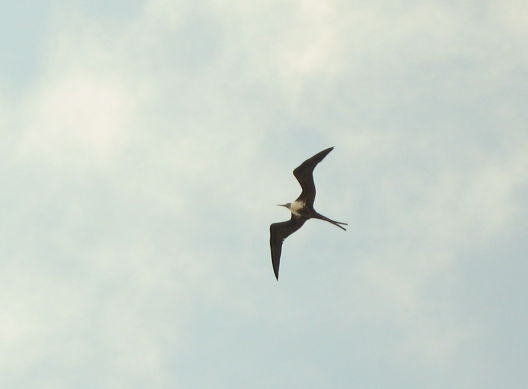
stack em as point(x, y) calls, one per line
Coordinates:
point(304, 174)
point(279, 232)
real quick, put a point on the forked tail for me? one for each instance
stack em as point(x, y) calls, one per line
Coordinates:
point(335, 223)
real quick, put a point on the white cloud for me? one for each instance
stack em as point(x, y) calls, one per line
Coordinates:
point(512, 16)
point(195, 137)
point(78, 116)
point(310, 47)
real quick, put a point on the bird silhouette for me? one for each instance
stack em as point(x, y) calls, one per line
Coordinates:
point(301, 209)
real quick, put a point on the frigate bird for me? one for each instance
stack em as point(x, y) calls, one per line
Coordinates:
point(301, 209)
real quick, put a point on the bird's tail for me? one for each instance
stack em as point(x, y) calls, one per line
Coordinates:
point(335, 223)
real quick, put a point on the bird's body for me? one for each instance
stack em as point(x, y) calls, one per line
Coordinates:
point(296, 206)
point(301, 209)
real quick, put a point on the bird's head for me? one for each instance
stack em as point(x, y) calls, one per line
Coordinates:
point(287, 205)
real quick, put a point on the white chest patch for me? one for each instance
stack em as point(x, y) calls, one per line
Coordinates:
point(296, 206)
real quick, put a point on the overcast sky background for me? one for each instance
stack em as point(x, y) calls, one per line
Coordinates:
point(144, 145)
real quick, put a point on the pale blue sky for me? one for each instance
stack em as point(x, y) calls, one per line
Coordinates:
point(146, 143)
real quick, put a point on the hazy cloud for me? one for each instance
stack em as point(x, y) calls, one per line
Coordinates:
point(142, 165)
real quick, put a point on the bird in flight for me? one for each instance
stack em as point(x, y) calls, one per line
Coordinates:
point(301, 209)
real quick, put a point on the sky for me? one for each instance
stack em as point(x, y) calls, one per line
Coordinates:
point(145, 144)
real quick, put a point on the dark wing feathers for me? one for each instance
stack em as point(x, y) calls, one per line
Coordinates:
point(279, 232)
point(304, 174)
